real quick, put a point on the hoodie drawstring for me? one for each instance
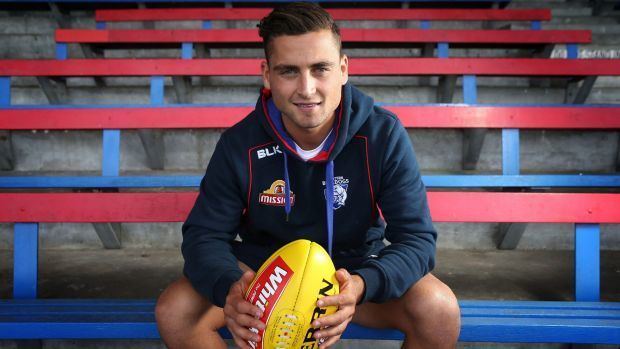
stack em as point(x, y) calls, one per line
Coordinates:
point(287, 188)
point(329, 205)
point(329, 198)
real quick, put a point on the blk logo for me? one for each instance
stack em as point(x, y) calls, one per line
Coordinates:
point(269, 151)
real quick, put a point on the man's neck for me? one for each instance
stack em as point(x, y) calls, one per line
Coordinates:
point(308, 139)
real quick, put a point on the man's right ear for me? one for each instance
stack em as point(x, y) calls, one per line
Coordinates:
point(264, 66)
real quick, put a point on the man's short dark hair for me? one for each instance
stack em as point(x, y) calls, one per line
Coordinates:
point(296, 18)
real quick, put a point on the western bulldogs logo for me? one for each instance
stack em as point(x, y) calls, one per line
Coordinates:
point(340, 191)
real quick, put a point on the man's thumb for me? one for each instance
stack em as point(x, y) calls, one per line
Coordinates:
point(342, 275)
point(246, 279)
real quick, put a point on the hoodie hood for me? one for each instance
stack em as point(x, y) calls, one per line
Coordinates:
point(355, 108)
point(350, 116)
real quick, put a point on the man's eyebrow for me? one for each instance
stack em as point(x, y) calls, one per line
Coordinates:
point(281, 67)
point(323, 64)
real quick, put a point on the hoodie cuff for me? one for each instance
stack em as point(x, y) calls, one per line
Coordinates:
point(222, 286)
point(372, 283)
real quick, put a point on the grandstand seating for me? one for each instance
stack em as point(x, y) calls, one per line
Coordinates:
point(469, 68)
point(584, 321)
point(351, 37)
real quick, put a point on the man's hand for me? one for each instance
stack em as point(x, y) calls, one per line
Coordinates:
point(242, 315)
point(332, 326)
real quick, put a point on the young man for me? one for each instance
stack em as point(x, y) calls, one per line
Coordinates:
point(316, 159)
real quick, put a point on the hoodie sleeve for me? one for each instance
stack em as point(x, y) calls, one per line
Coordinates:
point(402, 199)
point(210, 228)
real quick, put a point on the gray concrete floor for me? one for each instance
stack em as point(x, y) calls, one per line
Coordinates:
point(132, 273)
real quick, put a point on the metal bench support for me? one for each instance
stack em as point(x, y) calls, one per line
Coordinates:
point(153, 140)
point(109, 234)
point(25, 260)
point(473, 139)
point(577, 93)
point(7, 156)
point(55, 90)
point(510, 233)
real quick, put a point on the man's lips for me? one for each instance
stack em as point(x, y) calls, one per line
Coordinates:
point(306, 104)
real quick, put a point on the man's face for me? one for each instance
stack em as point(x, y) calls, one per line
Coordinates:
point(305, 74)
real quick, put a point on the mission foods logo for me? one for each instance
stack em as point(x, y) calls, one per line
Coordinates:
point(266, 291)
point(274, 196)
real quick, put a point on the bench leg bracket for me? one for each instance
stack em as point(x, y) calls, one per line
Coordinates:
point(445, 88)
point(510, 235)
point(473, 139)
point(618, 154)
point(183, 89)
point(90, 52)
point(576, 94)
point(109, 234)
point(54, 89)
point(545, 52)
point(153, 143)
point(7, 156)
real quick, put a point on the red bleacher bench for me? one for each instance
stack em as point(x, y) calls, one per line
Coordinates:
point(342, 14)
point(351, 37)
point(361, 66)
point(495, 321)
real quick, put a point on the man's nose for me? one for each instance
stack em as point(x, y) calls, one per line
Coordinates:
point(306, 86)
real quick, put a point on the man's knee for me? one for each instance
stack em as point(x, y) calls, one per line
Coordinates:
point(431, 304)
point(181, 306)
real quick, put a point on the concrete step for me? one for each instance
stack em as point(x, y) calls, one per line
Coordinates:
point(571, 12)
point(585, 21)
point(595, 28)
point(558, 9)
point(472, 274)
point(606, 39)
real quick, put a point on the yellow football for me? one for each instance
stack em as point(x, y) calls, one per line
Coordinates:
point(286, 288)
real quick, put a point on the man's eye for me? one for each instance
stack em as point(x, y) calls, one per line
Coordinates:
point(287, 72)
point(321, 70)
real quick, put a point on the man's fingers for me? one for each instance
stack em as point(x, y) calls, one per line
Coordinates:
point(245, 307)
point(243, 333)
point(329, 342)
point(332, 320)
point(246, 280)
point(241, 343)
point(340, 300)
point(342, 275)
point(330, 331)
point(249, 321)
point(329, 300)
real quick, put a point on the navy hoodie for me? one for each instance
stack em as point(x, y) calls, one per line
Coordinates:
point(256, 186)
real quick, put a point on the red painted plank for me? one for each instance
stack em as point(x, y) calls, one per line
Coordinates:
point(508, 117)
point(445, 207)
point(95, 207)
point(357, 66)
point(250, 36)
point(524, 207)
point(427, 116)
point(199, 14)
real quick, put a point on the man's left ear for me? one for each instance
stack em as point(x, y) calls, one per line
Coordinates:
point(264, 67)
point(344, 67)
